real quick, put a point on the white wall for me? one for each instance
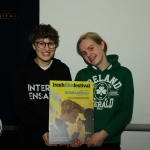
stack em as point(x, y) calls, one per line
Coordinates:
point(125, 26)
point(135, 140)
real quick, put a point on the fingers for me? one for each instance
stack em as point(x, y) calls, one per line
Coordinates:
point(80, 125)
point(95, 141)
point(63, 145)
point(68, 145)
point(89, 143)
point(46, 140)
point(76, 143)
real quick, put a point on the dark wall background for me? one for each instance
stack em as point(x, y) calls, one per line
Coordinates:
point(14, 49)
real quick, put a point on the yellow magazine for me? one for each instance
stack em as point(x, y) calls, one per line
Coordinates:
point(71, 111)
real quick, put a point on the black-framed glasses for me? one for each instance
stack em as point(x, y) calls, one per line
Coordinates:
point(42, 44)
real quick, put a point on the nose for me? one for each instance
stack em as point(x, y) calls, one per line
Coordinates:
point(47, 46)
point(88, 54)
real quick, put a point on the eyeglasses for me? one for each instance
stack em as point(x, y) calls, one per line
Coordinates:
point(51, 45)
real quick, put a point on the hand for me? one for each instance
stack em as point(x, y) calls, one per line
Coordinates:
point(46, 139)
point(80, 125)
point(67, 145)
point(97, 139)
point(76, 143)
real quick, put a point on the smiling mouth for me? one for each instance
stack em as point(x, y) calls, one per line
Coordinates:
point(92, 58)
point(46, 54)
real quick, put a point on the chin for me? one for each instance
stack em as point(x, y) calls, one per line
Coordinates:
point(92, 64)
point(45, 59)
point(95, 63)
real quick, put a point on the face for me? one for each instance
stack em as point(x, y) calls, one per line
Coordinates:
point(45, 54)
point(92, 52)
point(72, 116)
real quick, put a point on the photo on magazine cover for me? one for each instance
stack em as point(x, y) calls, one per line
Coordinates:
point(71, 111)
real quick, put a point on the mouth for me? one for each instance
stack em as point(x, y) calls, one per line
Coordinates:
point(46, 53)
point(92, 58)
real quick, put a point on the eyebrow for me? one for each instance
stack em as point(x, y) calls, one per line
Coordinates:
point(87, 48)
point(46, 42)
point(90, 45)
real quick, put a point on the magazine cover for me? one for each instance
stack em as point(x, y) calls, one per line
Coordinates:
point(71, 113)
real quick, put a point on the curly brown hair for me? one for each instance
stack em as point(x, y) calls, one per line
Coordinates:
point(44, 31)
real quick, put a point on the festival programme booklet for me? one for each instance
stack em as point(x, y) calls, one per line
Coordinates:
point(71, 111)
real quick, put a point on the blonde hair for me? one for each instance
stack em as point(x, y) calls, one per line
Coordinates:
point(69, 105)
point(93, 36)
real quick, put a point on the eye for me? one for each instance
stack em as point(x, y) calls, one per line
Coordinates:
point(41, 43)
point(74, 117)
point(51, 43)
point(83, 53)
point(91, 48)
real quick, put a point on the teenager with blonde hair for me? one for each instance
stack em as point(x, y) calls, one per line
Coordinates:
point(113, 92)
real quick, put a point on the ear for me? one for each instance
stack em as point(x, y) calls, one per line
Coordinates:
point(33, 46)
point(102, 45)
